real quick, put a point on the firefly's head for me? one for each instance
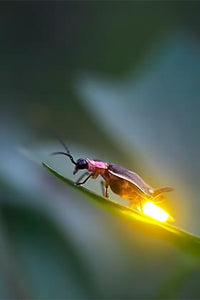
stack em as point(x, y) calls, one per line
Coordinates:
point(80, 165)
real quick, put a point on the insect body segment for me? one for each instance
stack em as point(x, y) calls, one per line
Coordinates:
point(122, 182)
point(97, 166)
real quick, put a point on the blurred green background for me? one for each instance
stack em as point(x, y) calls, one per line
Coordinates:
point(119, 81)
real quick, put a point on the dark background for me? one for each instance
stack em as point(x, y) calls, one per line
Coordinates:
point(120, 82)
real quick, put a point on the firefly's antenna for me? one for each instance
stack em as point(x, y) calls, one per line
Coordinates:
point(67, 153)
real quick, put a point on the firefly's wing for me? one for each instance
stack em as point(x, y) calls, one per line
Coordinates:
point(130, 176)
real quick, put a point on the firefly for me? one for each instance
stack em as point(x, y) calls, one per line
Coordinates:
point(121, 181)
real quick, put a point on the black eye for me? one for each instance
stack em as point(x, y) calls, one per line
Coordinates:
point(81, 164)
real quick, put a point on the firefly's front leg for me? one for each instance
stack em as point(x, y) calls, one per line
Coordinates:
point(81, 177)
point(105, 192)
point(84, 181)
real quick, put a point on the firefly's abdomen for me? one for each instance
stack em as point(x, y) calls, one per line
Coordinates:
point(124, 188)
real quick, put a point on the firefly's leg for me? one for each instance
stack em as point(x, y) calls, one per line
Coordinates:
point(104, 192)
point(79, 183)
point(141, 208)
point(134, 204)
point(102, 187)
point(82, 176)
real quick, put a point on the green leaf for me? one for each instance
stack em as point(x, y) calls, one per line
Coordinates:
point(186, 241)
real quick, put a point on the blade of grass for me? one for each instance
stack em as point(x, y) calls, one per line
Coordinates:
point(176, 236)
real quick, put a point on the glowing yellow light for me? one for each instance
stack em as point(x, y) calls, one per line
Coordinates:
point(153, 211)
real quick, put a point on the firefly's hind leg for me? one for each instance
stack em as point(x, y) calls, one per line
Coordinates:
point(132, 205)
point(104, 186)
point(141, 207)
point(136, 204)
